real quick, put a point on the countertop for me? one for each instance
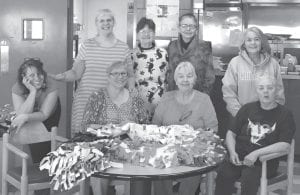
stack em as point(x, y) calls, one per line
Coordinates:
point(284, 76)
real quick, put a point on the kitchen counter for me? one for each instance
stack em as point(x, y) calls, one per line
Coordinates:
point(284, 76)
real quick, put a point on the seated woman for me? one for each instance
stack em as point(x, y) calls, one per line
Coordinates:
point(259, 128)
point(184, 106)
point(35, 98)
point(113, 104)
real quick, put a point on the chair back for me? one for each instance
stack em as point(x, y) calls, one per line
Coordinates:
point(25, 177)
point(290, 168)
point(281, 180)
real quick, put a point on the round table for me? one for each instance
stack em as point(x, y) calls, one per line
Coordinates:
point(134, 172)
point(137, 174)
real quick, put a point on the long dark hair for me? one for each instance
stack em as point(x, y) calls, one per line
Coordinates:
point(31, 62)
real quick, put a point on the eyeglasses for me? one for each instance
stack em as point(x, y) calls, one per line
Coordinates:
point(150, 32)
point(116, 74)
point(27, 59)
point(190, 26)
point(110, 20)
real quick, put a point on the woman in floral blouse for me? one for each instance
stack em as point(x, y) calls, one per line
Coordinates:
point(113, 104)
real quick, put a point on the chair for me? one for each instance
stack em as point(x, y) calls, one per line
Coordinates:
point(27, 177)
point(279, 181)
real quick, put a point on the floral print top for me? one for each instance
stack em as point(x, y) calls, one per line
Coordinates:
point(101, 110)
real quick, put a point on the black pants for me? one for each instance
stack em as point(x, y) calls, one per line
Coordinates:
point(228, 174)
point(39, 150)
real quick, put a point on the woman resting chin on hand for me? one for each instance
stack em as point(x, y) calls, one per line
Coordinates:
point(35, 99)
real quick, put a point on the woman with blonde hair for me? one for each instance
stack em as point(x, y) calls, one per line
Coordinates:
point(94, 56)
point(254, 59)
point(113, 104)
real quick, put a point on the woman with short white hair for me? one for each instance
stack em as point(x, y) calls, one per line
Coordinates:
point(184, 106)
point(259, 128)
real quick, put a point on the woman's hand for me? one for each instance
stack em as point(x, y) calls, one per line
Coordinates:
point(28, 85)
point(250, 159)
point(58, 77)
point(234, 158)
point(19, 121)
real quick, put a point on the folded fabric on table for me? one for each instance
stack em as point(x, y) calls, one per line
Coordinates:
point(147, 145)
point(73, 162)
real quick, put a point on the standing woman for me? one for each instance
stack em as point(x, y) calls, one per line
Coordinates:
point(94, 56)
point(253, 60)
point(35, 99)
point(150, 65)
point(189, 48)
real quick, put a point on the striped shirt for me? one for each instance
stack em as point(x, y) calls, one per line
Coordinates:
point(96, 60)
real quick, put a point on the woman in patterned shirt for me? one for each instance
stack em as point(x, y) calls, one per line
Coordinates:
point(150, 65)
point(113, 104)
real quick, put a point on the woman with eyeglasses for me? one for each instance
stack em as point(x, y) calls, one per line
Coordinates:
point(150, 64)
point(113, 104)
point(188, 47)
point(90, 65)
point(35, 98)
point(184, 106)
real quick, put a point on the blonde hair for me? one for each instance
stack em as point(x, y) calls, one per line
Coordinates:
point(188, 66)
point(101, 12)
point(265, 46)
point(117, 64)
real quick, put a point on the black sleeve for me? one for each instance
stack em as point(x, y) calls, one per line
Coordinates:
point(239, 120)
point(287, 128)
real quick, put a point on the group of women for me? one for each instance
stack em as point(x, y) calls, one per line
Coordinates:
point(149, 84)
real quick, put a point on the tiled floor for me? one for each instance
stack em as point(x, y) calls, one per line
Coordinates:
point(296, 186)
